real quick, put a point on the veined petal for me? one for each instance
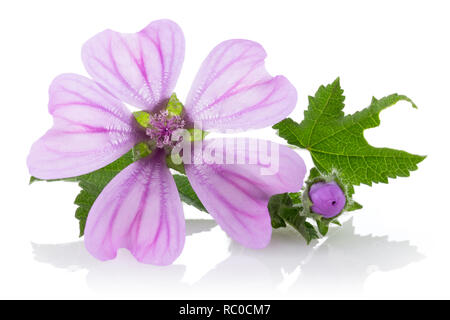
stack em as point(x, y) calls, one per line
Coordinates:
point(91, 129)
point(140, 210)
point(236, 192)
point(141, 68)
point(233, 90)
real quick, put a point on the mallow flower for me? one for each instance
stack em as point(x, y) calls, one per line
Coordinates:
point(140, 208)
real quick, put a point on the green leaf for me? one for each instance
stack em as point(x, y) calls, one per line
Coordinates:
point(336, 141)
point(142, 118)
point(284, 211)
point(187, 194)
point(92, 185)
point(276, 205)
point(296, 198)
point(179, 166)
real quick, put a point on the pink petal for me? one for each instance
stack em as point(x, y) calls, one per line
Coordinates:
point(91, 129)
point(233, 90)
point(140, 210)
point(141, 68)
point(236, 195)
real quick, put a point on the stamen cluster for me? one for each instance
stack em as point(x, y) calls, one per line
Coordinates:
point(161, 126)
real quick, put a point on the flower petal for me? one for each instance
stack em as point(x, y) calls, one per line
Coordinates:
point(233, 90)
point(140, 210)
point(91, 129)
point(141, 68)
point(236, 193)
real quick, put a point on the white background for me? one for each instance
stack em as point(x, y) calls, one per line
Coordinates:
point(396, 247)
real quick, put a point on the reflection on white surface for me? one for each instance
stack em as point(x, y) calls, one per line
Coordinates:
point(338, 264)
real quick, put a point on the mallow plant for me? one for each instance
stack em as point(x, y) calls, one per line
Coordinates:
point(135, 168)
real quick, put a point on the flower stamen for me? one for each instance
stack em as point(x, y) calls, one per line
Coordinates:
point(161, 126)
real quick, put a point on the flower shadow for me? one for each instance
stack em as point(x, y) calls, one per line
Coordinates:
point(123, 276)
point(343, 263)
point(340, 263)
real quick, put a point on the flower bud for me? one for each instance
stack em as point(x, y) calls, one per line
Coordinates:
point(327, 199)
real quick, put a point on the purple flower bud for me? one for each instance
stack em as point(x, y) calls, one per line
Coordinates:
point(327, 198)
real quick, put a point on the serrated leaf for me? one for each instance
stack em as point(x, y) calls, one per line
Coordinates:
point(336, 141)
point(187, 194)
point(92, 185)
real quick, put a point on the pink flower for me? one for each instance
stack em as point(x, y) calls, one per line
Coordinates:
point(140, 208)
